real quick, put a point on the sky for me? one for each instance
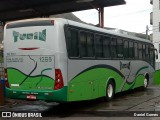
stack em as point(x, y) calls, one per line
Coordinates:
point(133, 16)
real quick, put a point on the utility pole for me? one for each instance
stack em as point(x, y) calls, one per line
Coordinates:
point(101, 16)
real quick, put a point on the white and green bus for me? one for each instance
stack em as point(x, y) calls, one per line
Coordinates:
point(55, 59)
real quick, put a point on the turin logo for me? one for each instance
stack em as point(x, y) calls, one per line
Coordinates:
point(29, 36)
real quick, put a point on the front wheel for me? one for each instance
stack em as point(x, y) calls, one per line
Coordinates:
point(110, 90)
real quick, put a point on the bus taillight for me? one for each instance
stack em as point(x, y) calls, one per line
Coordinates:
point(6, 78)
point(58, 80)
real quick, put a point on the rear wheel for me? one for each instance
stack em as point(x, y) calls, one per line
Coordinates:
point(110, 90)
point(145, 83)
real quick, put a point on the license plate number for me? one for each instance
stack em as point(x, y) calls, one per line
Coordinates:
point(32, 97)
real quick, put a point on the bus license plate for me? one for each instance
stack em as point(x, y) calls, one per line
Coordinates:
point(33, 97)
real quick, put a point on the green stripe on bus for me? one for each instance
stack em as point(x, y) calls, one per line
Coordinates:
point(16, 77)
point(92, 84)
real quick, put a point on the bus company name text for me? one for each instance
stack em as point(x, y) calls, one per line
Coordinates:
point(126, 65)
point(29, 36)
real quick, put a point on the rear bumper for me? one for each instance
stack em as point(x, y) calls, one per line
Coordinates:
point(55, 95)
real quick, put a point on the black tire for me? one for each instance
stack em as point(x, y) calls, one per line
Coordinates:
point(110, 91)
point(146, 82)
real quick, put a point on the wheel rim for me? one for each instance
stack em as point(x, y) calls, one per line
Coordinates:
point(110, 90)
point(145, 82)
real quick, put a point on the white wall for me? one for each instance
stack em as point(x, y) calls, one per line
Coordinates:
point(156, 20)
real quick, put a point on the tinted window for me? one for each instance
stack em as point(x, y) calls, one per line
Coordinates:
point(120, 48)
point(90, 45)
point(73, 45)
point(147, 52)
point(83, 44)
point(86, 44)
point(131, 50)
point(106, 47)
point(126, 53)
point(99, 46)
point(144, 52)
point(152, 57)
point(135, 50)
point(140, 50)
point(113, 48)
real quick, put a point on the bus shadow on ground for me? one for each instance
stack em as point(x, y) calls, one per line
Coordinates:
point(89, 107)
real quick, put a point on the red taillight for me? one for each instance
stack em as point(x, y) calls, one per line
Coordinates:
point(58, 80)
point(6, 78)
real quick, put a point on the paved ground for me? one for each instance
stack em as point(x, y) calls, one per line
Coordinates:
point(130, 103)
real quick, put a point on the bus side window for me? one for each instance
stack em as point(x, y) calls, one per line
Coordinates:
point(90, 45)
point(140, 51)
point(73, 44)
point(135, 50)
point(131, 50)
point(147, 53)
point(99, 46)
point(113, 48)
point(144, 52)
point(126, 50)
point(86, 44)
point(106, 47)
point(152, 57)
point(83, 44)
point(119, 48)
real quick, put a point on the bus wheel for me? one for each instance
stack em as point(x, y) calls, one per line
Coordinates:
point(145, 83)
point(110, 90)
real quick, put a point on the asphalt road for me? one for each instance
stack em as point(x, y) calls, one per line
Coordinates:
point(137, 104)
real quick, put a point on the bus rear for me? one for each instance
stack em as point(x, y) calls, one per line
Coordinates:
point(31, 52)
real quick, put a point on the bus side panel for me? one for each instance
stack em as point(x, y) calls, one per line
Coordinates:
point(88, 80)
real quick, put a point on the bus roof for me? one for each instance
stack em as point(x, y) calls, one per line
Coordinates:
point(90, 27)
point(82, 25)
